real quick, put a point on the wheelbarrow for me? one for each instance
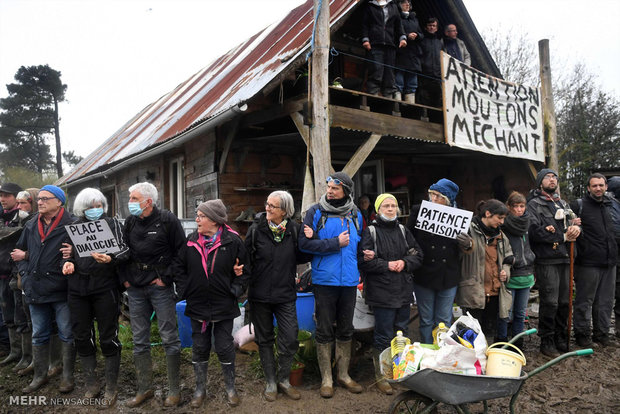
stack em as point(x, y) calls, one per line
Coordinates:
point(429, 388)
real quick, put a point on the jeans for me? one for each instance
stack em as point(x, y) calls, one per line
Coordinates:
point(381, 70)
point(42, 318)
point(434, 306)
point(142, 301)
point(201, 340)
point(387, 322)
point(520, 298)
point(553, 288)
point(105, 308)
point(334, 304)
point(594, 299)
point(406, 82)
point(286, 315)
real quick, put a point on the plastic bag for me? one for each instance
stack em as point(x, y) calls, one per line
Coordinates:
point(244, 335)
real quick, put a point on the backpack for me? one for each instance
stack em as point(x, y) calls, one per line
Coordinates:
point(373, 234)
point(325, 215)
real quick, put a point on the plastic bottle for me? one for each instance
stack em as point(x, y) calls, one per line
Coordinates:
point(398, 343)
point(438, 331)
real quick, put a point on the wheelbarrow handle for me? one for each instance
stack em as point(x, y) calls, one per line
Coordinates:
point(520, 335)
point(580, 352)
point(588, 351)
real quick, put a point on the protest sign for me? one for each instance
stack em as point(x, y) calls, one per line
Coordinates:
point(92, 236)
point(443, 220)
point(488, 114)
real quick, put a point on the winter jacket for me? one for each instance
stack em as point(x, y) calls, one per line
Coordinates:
point(273, 264)
point(431, 45)
point(153, 242)
point(441, 268)
point(548, 247)
point(332, 265)
point(596, 244)
point(408, 58)
point(206, 279)
point(383, 287)
point(522, 251)
point(379, 29)
point(448, 44)
point(42, 278)
point(90, 277)
point(10, 230)
point(470, 293)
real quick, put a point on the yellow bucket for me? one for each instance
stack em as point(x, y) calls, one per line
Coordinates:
point(504, 363)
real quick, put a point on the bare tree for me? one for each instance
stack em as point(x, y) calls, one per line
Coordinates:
point(515, 55)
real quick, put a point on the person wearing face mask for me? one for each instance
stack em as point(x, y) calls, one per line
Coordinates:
point(388, 255)
point(436, 281)
point(482, 289)
point(154, 238)
point(94, 295)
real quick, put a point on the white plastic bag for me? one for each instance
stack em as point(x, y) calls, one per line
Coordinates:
point(243, 335)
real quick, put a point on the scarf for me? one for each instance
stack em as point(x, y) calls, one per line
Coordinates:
point(210, 241)
point(341, 207)
point(489, 232)
point(52, 226)
point(8, 215)
point(550, 197)
point(516, 225)
point(278, 230)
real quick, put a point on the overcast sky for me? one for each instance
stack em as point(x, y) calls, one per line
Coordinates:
point(117, 56)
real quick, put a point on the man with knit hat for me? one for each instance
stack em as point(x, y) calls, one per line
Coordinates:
point(435, 283)
point(154, 237)
point(45, 287)
point(332, 231)
point(551, 229)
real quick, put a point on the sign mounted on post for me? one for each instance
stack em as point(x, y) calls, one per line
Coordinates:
point(443, 220)
point(488, 114)
point(92, 237)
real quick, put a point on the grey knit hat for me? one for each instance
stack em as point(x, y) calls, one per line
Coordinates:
point(541, 174)
point(214, 210)
point(347, 182)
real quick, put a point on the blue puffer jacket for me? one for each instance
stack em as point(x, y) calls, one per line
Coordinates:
point(331, 264)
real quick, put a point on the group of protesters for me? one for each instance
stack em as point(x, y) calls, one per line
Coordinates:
point(52, 295)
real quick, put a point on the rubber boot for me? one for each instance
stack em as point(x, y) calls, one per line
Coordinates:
point(410, 98)
point(397, 96)
point(382, 385)
point(268, 361)
point(41, 361)
point(343, 358)
point(173, 365)
point(26, 339)
point(144, 374)
point(55, 367)
point(200, 371)
point(67, 382)
point(324, 355)
point(284, 373)
point(547, 347)
point(89, 365)
point(112, 366)
point(228, 370)
point(15, 341)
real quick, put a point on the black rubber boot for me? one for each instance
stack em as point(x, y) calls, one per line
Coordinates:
point(200, 371)
point(89, 365)
point(228, 371)
point(173, 365)
point(26, 339)
point(41, 361)
point(268, 361)
point(284, 373)
point(67, 382)
point(15, 341)
point(55, 364)
point(144, 375)
point(112, 367)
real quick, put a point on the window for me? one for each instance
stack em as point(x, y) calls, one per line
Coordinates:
point(177, 187)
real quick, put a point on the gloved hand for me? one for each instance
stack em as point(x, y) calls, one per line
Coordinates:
point(464, 241)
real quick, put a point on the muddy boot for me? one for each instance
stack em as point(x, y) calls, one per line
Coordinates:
point(561, 343)
point(268, 361)
point(144, 374)
point(112, 366)
point(15, 341)
point(547, 347)
point(26, 339)
point(67, 382)
point(89, 365)
point(343, 358)
point(41, 361)
point(410, 98)
point(173, 365)
point(200, 371)
point(397, 95)
point(324, 355)
point(228, 370)
point(55, 367)
point(382, 385)
point(284, 374)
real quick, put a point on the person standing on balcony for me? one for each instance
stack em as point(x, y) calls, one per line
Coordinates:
point(408, 58)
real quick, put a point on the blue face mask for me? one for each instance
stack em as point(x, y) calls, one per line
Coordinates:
point(93, 213)
point(135, 209)
point(387, 218)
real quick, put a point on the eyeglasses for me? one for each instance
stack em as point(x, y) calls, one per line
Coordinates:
point(271, 206)
point(45, 199)
point(201, 216)
point(333, 180)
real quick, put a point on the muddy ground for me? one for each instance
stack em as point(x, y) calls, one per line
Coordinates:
point(589, 384)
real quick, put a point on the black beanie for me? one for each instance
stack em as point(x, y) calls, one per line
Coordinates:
point(347, 182)
point(541, 174)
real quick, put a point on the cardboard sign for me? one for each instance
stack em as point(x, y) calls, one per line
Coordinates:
point(443, 220)
point(491, 115)
point(92, 236)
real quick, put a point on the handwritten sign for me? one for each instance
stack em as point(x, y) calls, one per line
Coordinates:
point(92, 236)
point(443, 220)
point(488, 114)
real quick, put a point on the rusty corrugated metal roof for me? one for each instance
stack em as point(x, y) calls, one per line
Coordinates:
point(230, 80)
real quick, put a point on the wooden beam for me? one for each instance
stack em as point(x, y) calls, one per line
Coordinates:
point(304, 131)
point(532, 169)
point(549, 126)
point(273, 112)
point(361, 154)
point(229, 137)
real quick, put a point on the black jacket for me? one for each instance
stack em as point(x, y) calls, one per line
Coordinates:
point(274, 265)
point(596, 245)
point(90, 277)
point(441, 268)
point(431, 46)
point(153, 242)
point(206, 280)
point(548, 247)
point(408, 57)
point(42, 278)
point(383, 287)
point(9, 234)
point(521, 249)
point(380, 31)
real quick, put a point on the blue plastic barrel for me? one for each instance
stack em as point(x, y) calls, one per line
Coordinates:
point(185, 326)
point(305, 312)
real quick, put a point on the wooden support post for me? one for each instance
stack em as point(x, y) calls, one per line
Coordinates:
point(304, 131)
point(361, 154)
point(548, 105)
point(229, 137)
